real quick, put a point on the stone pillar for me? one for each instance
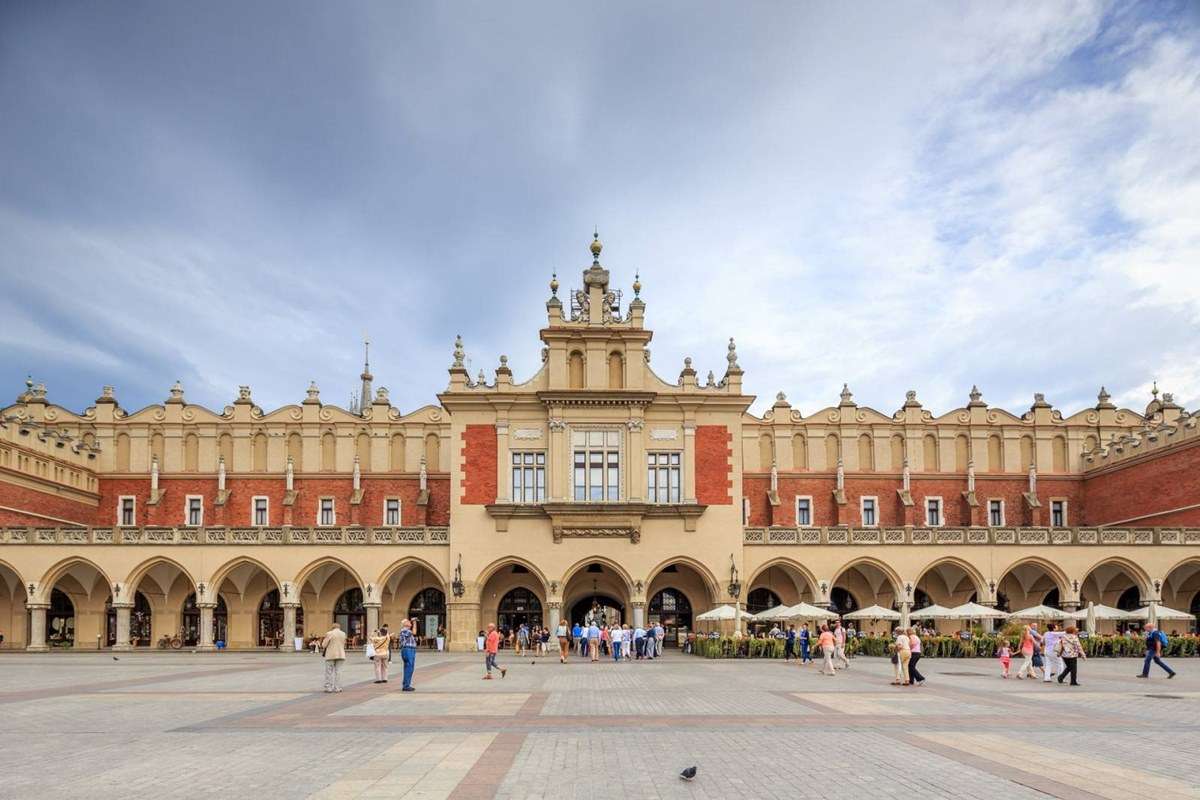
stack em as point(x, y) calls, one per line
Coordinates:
point(206, 625)
point(372, 617)
point(689, 460)
point(639, 615)
point(503, 464)
point(123, 613)
point(635, 471)
point(37, 627)
point(555, 616)
point(558, 463)
point(289, 628)
point(905, 611)
point(464, 625)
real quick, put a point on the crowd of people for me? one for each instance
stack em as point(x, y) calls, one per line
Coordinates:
point(589, 640)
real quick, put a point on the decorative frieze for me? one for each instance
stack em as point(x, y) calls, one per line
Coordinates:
point(971, 536)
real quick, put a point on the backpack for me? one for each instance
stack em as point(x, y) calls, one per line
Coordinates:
point(1162, 638)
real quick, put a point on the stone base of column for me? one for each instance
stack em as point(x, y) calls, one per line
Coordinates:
point(37, 648)
point(206, 648)
point(121, 648)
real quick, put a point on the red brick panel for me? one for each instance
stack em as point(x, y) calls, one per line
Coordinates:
point(714, 452)
point(479, 464)
point(1154, 484)
point(45, 503)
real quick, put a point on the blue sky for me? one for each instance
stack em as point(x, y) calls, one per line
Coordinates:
point(905, 196)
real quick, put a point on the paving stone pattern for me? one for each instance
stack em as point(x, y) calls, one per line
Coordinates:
point(257, 725)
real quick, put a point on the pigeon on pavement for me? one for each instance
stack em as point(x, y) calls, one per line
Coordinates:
point(688, 773)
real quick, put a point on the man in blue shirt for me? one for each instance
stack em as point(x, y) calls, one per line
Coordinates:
point(408, 653)
point(1155, 641)
point(789, 643)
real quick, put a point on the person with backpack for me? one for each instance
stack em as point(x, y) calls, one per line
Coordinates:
point(1156, 640)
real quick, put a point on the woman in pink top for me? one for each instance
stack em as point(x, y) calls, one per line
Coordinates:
point(825, 642)
point(915, 678)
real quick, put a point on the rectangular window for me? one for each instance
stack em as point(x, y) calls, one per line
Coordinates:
point(260, 511)
point(391, 512)
point(127, 511)
point(194, 510)
point(803, 511)
point(597, 465)
point(868, 512)
point(995, 513)
point(326, 514)
point(662, 477)
point(529, 477)
point(933, 512)
point(1058, 513)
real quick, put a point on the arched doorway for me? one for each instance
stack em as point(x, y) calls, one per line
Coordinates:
point(324, 585)
point(843, 601)
point(864, 583)
point(140, 622)
point(270, 620)
point(348, 612)
point(603, 609)
point(60, 620)
point(671, 609)
point(519, 606)
point(428, 608)
point(760, 599)
point(191, 621)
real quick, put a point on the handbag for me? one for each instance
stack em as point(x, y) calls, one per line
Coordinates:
point(370, 651)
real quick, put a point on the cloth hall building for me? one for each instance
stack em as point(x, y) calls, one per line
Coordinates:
point(594, 484)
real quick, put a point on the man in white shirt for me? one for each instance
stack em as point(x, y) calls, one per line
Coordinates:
point(659, 634)
point(1051, 663)
point(639, 642)
point(839, 644)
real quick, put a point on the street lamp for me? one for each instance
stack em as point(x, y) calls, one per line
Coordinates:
point(735, 586)
point(456, 585)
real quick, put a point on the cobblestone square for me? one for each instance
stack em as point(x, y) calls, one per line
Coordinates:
point(257, 725)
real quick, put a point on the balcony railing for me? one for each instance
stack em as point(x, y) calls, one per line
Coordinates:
point(944, 536)
point(220, 535)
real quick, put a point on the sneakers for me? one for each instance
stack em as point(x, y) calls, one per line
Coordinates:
point(408, 689)
point(1170, 675)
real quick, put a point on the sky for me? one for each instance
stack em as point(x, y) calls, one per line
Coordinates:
point(899, 196)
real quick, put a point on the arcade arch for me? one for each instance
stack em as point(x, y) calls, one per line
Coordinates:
point(1030, 582)
point(863, 583)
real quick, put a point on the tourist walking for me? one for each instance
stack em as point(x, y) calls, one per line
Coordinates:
point(578, 638)
point(915, 678)
point(660, 633)
point(825, 642)
point(491, 646)
point(901, 657)
point(627, 642)
point(380, 642)
point(1051, 663)
point(639, 642)
point(805, 638)
point(1029, 640)
point(839, 644)
point(614, 641)
point(564, 642)
point(408, 652)
point(1070, 650)
point(333, 646)
point(1156, 640)
point(522, 639)
point(1005, 656)
point(593, 635)
point(789, 643)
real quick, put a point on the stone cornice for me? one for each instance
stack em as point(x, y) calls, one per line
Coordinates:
point(919, 536)
point(565, 516)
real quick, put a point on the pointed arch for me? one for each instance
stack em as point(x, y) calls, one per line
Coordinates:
point(1136, 573)
point(59, 569)
point(222, 572)
point(307, 570)
point(140, 571)
point(706, 576)
point(970, 569)
point(890, 574)
point(491, 569)
point(617, 569)
point(1052, 570)
point(788, 563)
point(408, 561)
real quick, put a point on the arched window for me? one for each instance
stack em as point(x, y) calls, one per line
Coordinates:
point(800, 451)
point(866, 453)
point(616, 371)
point(270, 621)
point(575, 370)
point(930, 447)
point(426, 604)
point(350, 614)
point(831, 451)
point(225, 449)
point(995, 454)
point(260, 452)
point(1026, 452)
point(765, 452)
point(962, 452)
point(122, 452)
point(671, 609)
point(1058, 451)
point(295, 451)
point(191, 453)
point(362, 449)
point(433, 452)
point(897, 453)
point(397, 452)
point(156, 448)
point(761, 599)
point(519, 606)
point(328, 452)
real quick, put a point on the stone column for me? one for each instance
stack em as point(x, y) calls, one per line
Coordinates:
point(37, 627)
point(464, 625)
point(635, 469)
point(905, 611)
point(372, 617)
point(289, 628)
point(639, 615)
point(206, 625)
point(689, 460)
point(503, 464)
point(559, 468)
point(123, 613)
point(555, 616)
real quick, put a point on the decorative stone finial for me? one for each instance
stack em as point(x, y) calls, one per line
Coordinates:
point(504, 361)
point(731, 356)
point(554, 284)
point(1104, 399)
point(1039, 401)
point(107, 396)
point(780, 399)
point(975, 397)
point(176, 393)
point(312, 395)
point(637, 285)
point(687, 362)
point(1154, 389)
point(847, 397)
point(596, 247)
point(459, 353)
point(243, 397)
point(910, 399)
point(381, 395)
point(482, 379)
point(712, 380)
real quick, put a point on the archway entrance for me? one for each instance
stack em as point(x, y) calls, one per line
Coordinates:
point(60, 620)
point(14, 618)
point(349, 612)
point(191, 621)
point(428, 608)
point(140, 622)
point(517, 607)
point(671, 609)
point(1025, 585)
point(760, 599)
point(863, 584)
point(603, 609)
point(75, 612)
point(323, 586)
point(270, 621)
point(1181, 590)
point(843, 601)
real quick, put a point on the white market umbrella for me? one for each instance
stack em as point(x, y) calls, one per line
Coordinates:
point(932, 612)
point(873, 612)
point(1041, 613)
point(774, 613)
point(1161, 612)
point(1102, 612)
point(976, 611)
point(809, 611)
point(721, 613)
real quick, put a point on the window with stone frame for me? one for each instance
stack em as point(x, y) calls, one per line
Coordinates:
point(663, 476)
point(933, 512)
point(391, 512)
point(529, 476)
point(326, 512)
point(596, 465)
point(260, 508)
point(1058, 513)
point(995, 513)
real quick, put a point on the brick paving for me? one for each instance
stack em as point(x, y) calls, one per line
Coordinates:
point(256, 724)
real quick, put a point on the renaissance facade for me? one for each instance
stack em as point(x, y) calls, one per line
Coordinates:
point(593, 487)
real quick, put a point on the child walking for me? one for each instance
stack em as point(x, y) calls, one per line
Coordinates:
point(1005, 656)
